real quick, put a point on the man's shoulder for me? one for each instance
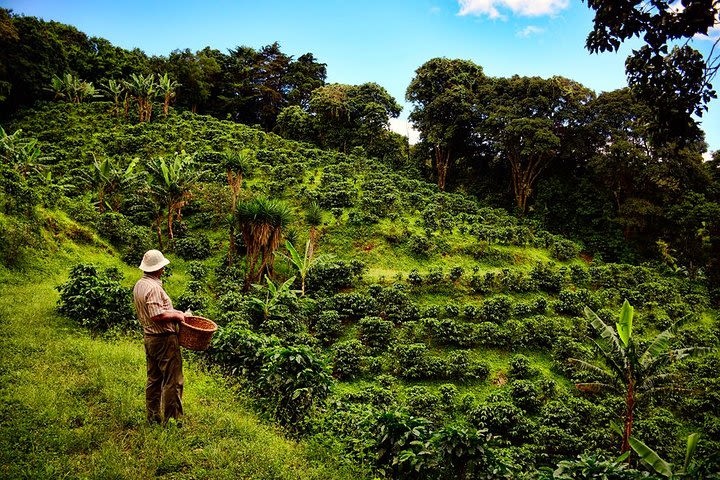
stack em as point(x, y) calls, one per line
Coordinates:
point(146, 284)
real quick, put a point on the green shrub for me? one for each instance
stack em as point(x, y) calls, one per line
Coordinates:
point(375, 332)
point(240, 350)
point(521, 368)
point(496, 309)
point(419, 245)
point(195, 247)
point(332, 277)
point(526, 394)
point(588, 467)
point(95, 299)
point(460, 367)
point(564, 250)
point(328, 326)
point(292, 382)
point(346, 357)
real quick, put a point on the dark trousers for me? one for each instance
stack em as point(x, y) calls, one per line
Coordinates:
point(164, 388)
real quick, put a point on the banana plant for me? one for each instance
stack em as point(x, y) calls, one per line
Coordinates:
point(649, 457)
point(114, 90)
point(302, 264)
point(168, 90)
point(170, 186)
point(21, 153)
point(110, 181)
point(273, 294)
point(625, 369)
point(142, 89)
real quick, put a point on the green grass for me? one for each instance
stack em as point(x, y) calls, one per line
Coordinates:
point(72, 405)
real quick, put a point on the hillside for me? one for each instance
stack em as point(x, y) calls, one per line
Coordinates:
point(73, 404)
point(437, 315)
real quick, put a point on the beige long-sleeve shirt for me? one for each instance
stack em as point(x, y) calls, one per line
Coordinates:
point(150, 300)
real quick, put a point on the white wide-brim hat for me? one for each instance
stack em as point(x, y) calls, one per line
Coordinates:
point(152, 261)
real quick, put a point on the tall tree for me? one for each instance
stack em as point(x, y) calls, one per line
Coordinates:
point(528, 120)
point(675, 81)
point(444, 93)
point(261, 222)
point(346, 116)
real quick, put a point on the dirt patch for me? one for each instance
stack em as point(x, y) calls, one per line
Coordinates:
point(586, 257)
point(500, 379)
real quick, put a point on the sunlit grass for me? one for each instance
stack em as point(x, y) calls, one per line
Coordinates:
point(72, 405)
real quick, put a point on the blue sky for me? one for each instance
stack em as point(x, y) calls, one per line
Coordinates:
point(363, 41)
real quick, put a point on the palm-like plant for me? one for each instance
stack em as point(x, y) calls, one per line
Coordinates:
point(71, 88)
point(237, 165)
point(170, 186)
point(652, 459)
point(625, 369)
point(168, 90)
point(261, 222)
point(142, 89)
point(302, 264)
point(114, 90)
point(21, 153)
point(110, 180)
point(273, 294)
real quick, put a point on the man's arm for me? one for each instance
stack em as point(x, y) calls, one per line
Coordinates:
point(169, 316)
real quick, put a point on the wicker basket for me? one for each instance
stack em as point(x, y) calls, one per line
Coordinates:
point(196, 333)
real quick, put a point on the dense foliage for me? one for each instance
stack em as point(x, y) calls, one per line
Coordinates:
point(421, 333)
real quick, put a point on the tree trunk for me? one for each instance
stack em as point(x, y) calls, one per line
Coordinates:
point(629, 416)
point(159, 233)
point(442, 165)
point(171, 237)
point(166, 105)
point(233, 248)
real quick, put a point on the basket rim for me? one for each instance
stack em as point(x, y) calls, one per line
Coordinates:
point(199, 329)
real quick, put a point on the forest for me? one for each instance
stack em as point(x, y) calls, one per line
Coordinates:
point(530, 291)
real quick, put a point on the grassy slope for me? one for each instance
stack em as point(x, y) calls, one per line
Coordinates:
point(73, 406)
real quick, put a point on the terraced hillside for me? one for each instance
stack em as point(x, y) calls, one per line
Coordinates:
point(435, 333)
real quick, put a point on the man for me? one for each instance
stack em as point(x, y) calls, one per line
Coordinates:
point(164, 388)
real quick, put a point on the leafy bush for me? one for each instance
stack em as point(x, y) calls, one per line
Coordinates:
point(96, 299)
point(195, 247)
point(455, 273)
point(197, 271)
point(328, 326)
point(496, 309)
point(564, 250)
point(520, 367)
point(346, 357)
point(353, 306)
point(240, 350)
point(590, 467)
point(547, 277)
point(419, 245)
point(375, 332)
point(334, 276)
point(293, 381)
point(460, 367)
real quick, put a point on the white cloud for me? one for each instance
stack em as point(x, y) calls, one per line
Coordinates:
point(525, 8)
point(435, 10)
point(406, 129)
point(707, 156)
point(529, 31)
